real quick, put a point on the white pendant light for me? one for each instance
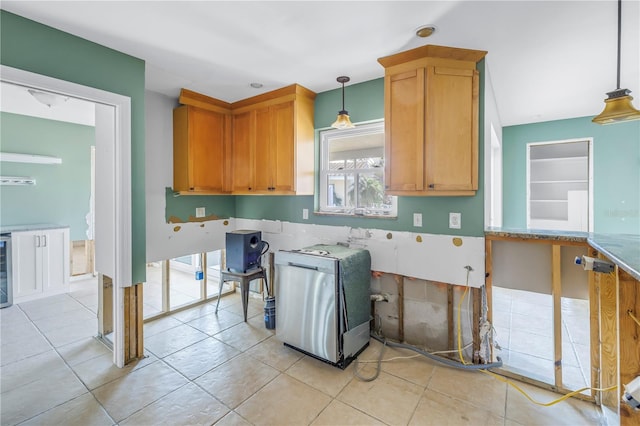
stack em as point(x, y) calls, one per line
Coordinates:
point(343, 121)
point(618, 107)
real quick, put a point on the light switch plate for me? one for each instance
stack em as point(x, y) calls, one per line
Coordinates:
point(455, 220)
point(305, 214)
point(417, 219)
point(200, 212)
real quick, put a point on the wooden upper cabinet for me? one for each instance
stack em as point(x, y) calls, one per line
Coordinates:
point(200, 143)
point(404, 112)
point(431, 121)
point(242, 156)
point(273, 143)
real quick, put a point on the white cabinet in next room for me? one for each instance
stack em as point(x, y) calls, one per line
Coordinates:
point(40, 261)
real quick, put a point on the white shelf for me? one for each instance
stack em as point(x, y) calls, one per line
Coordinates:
point(561, 159)
point(13, 157)
point(558, 184)
point(533, 182)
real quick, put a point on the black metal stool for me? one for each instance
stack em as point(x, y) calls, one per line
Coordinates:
point(244, 279)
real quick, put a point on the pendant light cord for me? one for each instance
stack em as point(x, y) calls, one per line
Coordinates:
point(619, 42)
point(343, 86)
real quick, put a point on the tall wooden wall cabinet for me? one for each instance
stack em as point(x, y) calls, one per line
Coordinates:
point(201, 145)
point(431, 121)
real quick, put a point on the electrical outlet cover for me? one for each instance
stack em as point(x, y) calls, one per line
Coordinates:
point(200, 212)
point(417, 219)
point(455, 220)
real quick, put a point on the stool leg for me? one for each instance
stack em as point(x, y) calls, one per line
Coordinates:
point(219, 293)
point(244, 289)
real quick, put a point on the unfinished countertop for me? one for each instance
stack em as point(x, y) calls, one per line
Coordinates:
point(6, 229)
point(622, 249)
point(537, 234)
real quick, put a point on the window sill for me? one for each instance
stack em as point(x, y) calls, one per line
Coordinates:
point(355, 216)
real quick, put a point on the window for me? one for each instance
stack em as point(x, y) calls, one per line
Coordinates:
point(352, 172)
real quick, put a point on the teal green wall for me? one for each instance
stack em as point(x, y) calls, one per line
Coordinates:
point(365, 102)
point(184, 206)
point(62, 191)
point(616, 166)
point(34, 47)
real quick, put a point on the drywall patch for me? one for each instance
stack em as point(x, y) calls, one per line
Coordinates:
point(203, 219)
point(176, 219)
point(177, 228)
point(419, 239)
point(457, 241)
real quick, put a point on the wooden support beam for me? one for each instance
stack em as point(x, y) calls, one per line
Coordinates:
point(400, 283)
point(609, 338)
point(450, 320)
point(556, 292)
point(133, 323)
point(629, 341)
point(488, 281)
point(594, 330)
point(476, 293)
point(105, 308)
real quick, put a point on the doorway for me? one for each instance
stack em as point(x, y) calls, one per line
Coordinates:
point(113, 184)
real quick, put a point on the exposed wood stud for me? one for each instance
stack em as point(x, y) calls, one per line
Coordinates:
point(556, 292)
point(609, 338)
point(450, 320)
point(400, 283)
point(476, 294)
point(594, 331)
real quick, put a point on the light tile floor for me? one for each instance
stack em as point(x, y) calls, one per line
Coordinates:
point(523, 321)
point(204, 368)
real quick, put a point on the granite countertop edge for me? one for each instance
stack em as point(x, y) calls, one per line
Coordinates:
point(622, 249)
point(6, 229)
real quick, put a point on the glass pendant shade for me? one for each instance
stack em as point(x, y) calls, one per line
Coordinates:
point(617, 109)
point(343, 121)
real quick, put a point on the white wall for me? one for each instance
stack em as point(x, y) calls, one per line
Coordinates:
point(163, 240)
point(492, 155)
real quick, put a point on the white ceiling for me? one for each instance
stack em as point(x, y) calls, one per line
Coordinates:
point(547, 59)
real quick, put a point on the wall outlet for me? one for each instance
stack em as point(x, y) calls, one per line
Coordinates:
point(200, 212)
point(417, 219)
point(305, 214)
point(455, 220)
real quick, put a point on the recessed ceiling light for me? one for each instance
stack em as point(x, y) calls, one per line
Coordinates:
point(425, 31)
point(256, 85)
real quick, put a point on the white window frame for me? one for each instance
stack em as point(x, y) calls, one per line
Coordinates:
point(326, 136)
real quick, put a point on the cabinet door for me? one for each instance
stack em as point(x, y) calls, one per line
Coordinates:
point(452, 129)
point(55, 260)
point(242, 176)
point(206, 149)
point(282, 147)
point(26, 263)
point(263, 150)
point(404, 131)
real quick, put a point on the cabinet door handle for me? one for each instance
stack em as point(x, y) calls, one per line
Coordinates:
point(249, 188)
point(37, 240)
point(431, 185)
point(44, 241)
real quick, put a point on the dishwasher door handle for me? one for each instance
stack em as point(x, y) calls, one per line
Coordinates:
point(297, 265)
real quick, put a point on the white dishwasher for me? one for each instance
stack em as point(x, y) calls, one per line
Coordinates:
point(322, 301)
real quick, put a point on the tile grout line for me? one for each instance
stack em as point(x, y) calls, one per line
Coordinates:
point(70, 369)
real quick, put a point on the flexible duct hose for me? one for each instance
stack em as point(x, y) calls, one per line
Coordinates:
point(450, 363)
